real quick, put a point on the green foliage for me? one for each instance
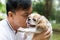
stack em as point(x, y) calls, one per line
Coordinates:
point(56, 36)
point(39, 8)
point(56, 26)
point(53, 14)
point(1, 17)
point(58, 16)
point(2, 8)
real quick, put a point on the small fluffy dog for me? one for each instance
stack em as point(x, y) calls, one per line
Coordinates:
point(36, 23)
point(39, 22)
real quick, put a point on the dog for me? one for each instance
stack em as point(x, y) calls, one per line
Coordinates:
point(36, 24)
point(39, 22)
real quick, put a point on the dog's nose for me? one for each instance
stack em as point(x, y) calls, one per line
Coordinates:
point(29, 19)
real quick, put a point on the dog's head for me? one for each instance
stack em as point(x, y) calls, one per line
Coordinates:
point(33, 19)
point(37, 21)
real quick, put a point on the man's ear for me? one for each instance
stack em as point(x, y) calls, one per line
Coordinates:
point(10, 14)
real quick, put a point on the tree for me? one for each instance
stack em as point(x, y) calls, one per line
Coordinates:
point(48, 7)
point(43, 8)
point(39, 7)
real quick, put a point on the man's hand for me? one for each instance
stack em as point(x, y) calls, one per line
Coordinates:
point(43, 36)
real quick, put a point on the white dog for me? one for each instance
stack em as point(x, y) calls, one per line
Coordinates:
point(36, 24)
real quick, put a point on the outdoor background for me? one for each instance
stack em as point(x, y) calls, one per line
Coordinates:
point(49, 8)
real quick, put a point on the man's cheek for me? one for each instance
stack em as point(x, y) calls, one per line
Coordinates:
point(16, 23)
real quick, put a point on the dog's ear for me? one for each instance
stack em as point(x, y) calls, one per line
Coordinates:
point(42, 19)
point(39, 20)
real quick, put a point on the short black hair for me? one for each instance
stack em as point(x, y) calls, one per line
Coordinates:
point(13, 5)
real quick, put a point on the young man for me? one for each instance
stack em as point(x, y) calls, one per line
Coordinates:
point(17, 13)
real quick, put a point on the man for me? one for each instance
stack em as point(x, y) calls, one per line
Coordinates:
point(17, 13)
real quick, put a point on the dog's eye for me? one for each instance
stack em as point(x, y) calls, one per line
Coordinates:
point(34, 20)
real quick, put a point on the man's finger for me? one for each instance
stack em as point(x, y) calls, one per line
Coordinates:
point(48, 35)
point(48, 31)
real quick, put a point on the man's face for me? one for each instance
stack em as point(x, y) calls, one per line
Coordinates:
point(19, 19)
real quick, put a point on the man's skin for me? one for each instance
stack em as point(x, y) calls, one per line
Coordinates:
point(42, 36)
point(19, 20)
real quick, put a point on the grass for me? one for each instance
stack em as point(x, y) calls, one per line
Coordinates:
point(56, 36)
point(56, 26)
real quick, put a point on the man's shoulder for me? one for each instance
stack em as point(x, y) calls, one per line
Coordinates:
point(3, 30)
point(3, 27)
point(3, 23)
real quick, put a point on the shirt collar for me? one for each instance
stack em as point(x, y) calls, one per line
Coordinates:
point(10, 26)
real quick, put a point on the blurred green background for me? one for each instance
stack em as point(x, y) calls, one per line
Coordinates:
point(49, 8)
